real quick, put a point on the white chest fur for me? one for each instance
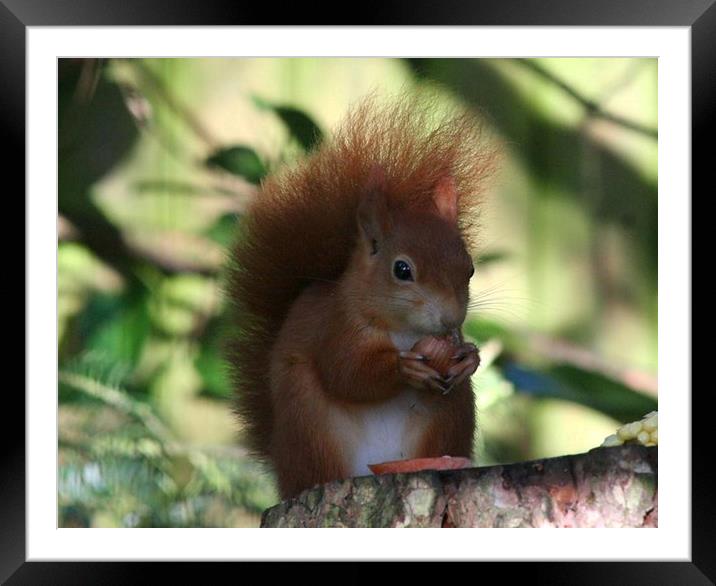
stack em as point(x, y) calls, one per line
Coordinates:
point(372, 434)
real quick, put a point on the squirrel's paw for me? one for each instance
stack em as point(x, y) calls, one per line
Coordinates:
point(468, 359)
point(418, 374)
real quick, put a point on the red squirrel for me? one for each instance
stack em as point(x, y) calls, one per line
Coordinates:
point(345, 262)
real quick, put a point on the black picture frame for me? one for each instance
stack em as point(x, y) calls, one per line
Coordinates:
point(17, 15)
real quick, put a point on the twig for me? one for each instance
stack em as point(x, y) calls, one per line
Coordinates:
point(623, 81)
point(143, 414)
point(592, 108)
point(107, 242)
point(90, 72)
point(161, 90)
point(565, 352)
point(123, 403)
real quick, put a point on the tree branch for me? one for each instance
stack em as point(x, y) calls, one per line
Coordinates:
point(606, 487)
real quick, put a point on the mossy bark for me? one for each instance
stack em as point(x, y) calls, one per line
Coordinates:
point(606, 487)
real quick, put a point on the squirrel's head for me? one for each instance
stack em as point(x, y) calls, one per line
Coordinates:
point(412, 268)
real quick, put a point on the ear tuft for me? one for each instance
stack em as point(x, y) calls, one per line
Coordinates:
point(445, 199)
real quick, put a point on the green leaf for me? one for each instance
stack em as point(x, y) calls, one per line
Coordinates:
point(116, 327)
point(497, 256)
point(241, 161)
point(482, 329)
point(299, 124)
point(213, 370)
point(586, 388)
point(225, 230)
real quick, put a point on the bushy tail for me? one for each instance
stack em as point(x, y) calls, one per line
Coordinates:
point(302, 225)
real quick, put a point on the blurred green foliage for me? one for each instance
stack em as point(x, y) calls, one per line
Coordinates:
point(158, 159)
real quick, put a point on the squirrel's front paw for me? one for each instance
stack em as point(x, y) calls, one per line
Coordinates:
point(415, 371)
point(468, 359)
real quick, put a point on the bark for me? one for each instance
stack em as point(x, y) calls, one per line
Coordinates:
point(606, 487)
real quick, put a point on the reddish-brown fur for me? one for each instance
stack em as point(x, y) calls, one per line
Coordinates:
point(289, 275)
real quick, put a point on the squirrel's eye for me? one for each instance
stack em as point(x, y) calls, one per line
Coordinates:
point(401, 270)
point(472, 272)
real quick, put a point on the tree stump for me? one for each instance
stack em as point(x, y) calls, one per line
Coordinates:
point(606, 487)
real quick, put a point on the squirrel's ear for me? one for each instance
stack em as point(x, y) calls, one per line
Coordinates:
point(445, 199)
point(373, 218)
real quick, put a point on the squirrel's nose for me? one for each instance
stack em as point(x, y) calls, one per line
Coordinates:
point(450, 323)
point(451, 317)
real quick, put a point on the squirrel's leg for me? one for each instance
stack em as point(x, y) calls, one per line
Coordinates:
point(303, 451)
point(452, 426)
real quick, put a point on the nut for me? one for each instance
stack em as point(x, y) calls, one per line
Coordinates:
point(439, 352)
